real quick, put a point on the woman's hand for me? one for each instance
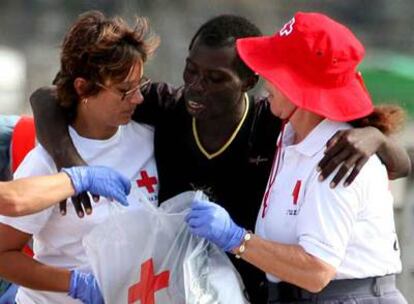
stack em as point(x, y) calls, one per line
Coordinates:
point(211, 221)
point(100, 180)
point(84, 287)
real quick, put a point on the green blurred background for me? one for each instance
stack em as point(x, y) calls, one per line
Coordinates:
point(390, 79)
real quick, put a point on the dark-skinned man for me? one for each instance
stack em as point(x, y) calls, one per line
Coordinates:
point(210, 135)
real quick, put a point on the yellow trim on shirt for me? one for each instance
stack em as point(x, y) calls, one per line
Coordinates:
point(229, 141)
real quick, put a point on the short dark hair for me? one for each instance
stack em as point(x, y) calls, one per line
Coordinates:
point(224, 30)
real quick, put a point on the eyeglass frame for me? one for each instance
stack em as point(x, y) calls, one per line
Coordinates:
point(128, 94)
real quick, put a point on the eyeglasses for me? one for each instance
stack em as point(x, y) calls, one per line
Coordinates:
point(127, 95)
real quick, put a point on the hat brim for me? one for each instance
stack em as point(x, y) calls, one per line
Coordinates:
point(344, 103)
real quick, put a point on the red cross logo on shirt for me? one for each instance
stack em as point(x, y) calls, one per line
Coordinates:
point(149, 284)
point(147, 181)
point(295, 192)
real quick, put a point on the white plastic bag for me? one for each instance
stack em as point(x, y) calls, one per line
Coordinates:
point(149, 256)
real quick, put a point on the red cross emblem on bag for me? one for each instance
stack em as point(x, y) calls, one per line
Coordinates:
point(149, 284)
point(147, 181)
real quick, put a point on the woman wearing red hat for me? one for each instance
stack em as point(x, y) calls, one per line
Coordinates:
point(315, 243)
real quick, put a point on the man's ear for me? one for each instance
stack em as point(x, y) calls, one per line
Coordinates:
point(80, 85)
point(250, 82)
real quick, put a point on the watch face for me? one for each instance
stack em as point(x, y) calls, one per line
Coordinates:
point(241, 249)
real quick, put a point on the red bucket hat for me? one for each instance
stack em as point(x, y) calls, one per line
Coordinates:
point(312, 60)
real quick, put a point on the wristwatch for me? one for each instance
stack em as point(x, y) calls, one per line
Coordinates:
point(242, 247)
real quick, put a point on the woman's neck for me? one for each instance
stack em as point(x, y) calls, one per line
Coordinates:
point(303, 122)
point(89, 127)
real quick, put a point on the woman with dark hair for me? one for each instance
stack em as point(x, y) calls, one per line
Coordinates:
point(99, 84)
point(317, 244)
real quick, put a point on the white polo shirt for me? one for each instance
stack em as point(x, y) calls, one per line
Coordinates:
point(57, 239)
point(351, 228)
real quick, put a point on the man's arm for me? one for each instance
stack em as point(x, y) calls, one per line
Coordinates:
point(395, 158)
point(159, 99)
point(52, 132)
point(52, 128)
point(350, 150)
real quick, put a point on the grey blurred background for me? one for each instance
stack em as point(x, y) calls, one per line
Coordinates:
point(31, 32)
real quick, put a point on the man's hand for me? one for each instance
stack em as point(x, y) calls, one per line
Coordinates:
point(98, 180)
point(52, 133)
point(211, 221)
point(349, 150)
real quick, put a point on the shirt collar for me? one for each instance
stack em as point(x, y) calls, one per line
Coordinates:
point(316, 140)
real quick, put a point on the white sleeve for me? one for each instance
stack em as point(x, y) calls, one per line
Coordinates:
point(36, 163)
point(326, 219)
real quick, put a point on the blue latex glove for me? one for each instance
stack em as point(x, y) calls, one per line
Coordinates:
point(211, 221)
point(99, 180)
point(84, 287)
point(9, 297)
